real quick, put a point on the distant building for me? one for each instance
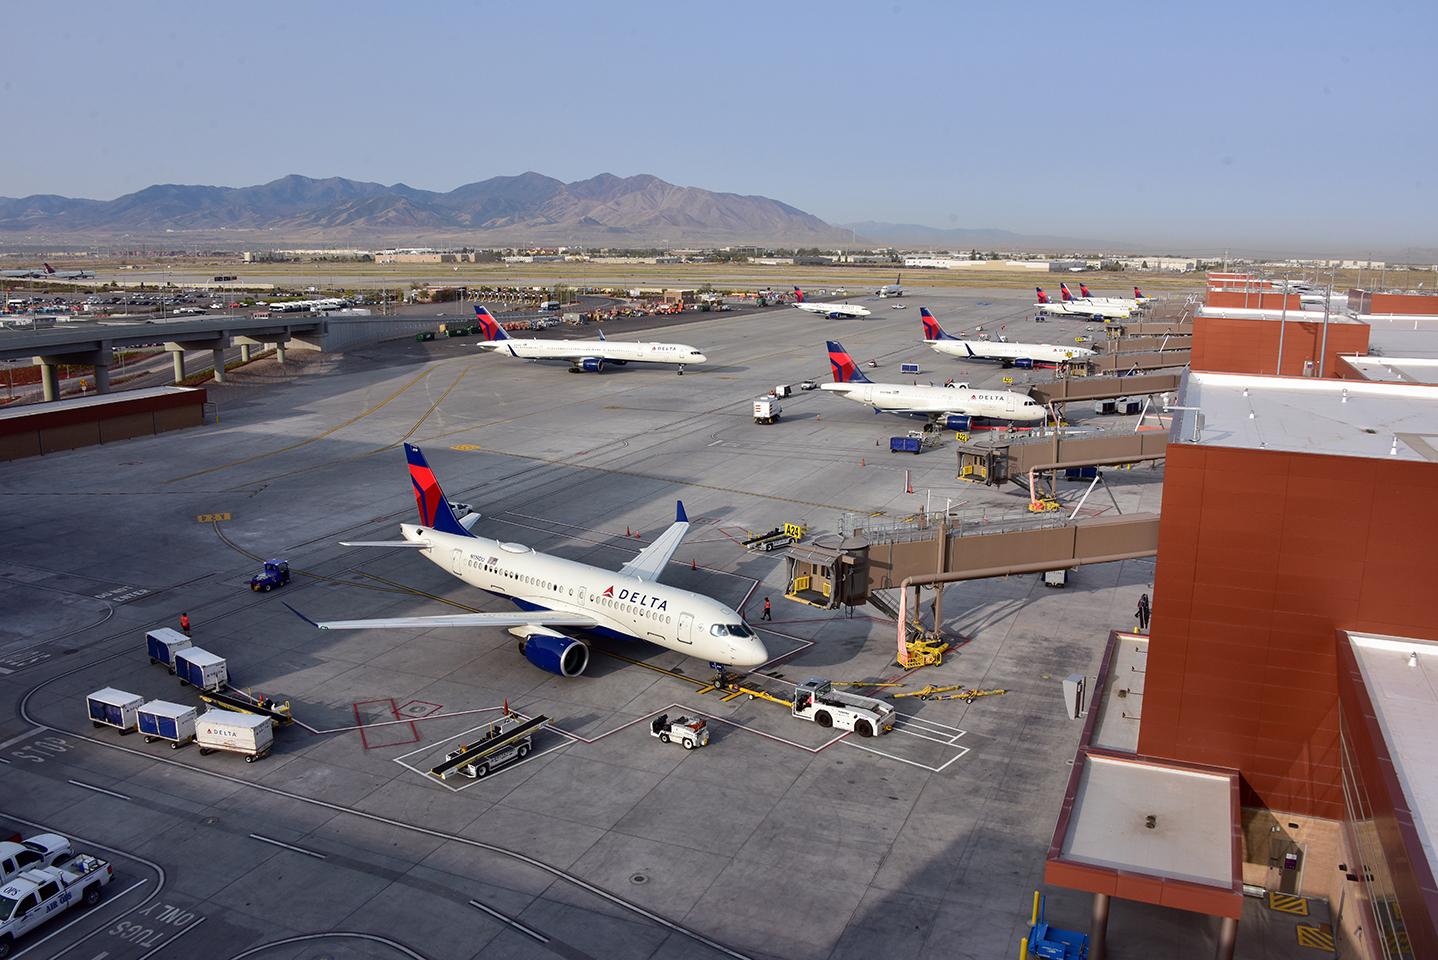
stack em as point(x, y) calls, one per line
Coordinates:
point(1160, 264)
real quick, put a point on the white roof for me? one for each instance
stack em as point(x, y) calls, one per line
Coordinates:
point(1401, 677)
point(199, 657)
point(1420, 370)
point(1350, 418)
point(1192, 836)
point(1402, 335)
point(93, 400)
point(164, 708)
point(1293, 316)
point(234, 718)
point(1122, 705)
point(118, 698)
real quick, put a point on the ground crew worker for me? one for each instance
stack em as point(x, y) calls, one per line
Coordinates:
point(1143, 613)
point(767, 615)
point(185, 624)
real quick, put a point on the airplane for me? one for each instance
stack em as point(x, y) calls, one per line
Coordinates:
point(46, 272)
point(891, 289)
point(1079, 308)
point(834, 311)
point(584, 356)
point(1131, 303)
point(951, 407)
point(554, 592)
point(1025, 356)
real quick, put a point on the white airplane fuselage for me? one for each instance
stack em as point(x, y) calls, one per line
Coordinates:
point(937, 401)
point(1083, 308)
point(834, 311)
point(609, 350)
point(627, 607)
point(1009, 352)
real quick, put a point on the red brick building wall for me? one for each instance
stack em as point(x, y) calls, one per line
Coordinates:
point(1261, 556)
point(1230, 345)
point(1253, 299)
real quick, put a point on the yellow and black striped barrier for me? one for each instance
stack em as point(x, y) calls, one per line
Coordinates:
point(1288, 903)
point(1318, 938)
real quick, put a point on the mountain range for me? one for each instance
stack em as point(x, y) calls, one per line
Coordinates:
point(530, 207)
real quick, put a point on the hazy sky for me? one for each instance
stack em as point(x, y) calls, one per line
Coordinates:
point(1228, 123)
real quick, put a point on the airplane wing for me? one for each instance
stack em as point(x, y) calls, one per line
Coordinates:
point(519, 618)
point(653, 558)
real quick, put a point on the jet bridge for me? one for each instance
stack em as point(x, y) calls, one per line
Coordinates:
point(995, 461)
point(1078, 389)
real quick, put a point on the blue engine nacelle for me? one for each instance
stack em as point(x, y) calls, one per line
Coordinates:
point(591, 364)
point(562, 655)
point(957, 423)
point(1024, 363)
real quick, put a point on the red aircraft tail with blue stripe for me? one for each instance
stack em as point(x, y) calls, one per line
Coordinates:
point(1043, 297)
point(489, 327)
point(932, 330)
point(843, 365)
point(434, 509)
point(798, 295)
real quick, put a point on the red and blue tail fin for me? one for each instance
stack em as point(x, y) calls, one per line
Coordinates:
point(1138, 293)
point(1064, 289)
point(489, 328)
point(1043, 297)
point(49, 269)
point(1083, 290)
point(798, 295)
point(434, 509)
point(843, 365)
point(932, 330)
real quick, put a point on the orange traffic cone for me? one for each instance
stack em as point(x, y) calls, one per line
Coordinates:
point(861, 461)
point(692, 564)
point(506, 706)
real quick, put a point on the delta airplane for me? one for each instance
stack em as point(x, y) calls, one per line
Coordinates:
point(951, 407)
point(584, 356)
point(553, 592)
point(834, 311)
point(891, 289)
point(1132, 303)
point(1079, 308)
point(1025, 356)
point(46, 272)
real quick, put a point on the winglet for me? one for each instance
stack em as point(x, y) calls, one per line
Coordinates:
point(602, 336)
point(301, 616)
point(679, 515)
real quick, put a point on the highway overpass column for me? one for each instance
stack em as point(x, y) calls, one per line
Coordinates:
point(49, 380)
point(244, 353)
point(102, 372)
point(177, 358)
point(219, 355)
point(280, 351)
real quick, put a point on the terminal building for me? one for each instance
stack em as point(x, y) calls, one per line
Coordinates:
point(1271, 732)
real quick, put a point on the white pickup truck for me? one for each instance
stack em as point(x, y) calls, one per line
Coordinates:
point(35, 896)
point(41, 850)
point(816, 699)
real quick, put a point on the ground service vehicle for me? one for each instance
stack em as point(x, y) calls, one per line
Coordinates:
point(276, 573)
point(37, 895)
point(114, 708)
point(689, 732)
point(510, 752)
point(160, 720)
point(808, 385)
point(41, 850)
point(246, 733)
point(816, 699)
point(163, 644)
point(201, 669)
point(767, 410)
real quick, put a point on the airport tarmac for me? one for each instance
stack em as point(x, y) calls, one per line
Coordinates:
point(779, 839)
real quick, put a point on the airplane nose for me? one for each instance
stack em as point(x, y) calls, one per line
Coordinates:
point(700, 358)
point(750, 652)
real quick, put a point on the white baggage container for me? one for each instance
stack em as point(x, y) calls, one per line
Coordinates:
point(163, 644)
point(114, 708)
point(247, 733)
point(161, 720)
point(202, 669)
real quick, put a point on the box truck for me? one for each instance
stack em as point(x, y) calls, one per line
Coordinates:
point(245, 733)
point(202, 669)
point(161, 720)
point(114, 708)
